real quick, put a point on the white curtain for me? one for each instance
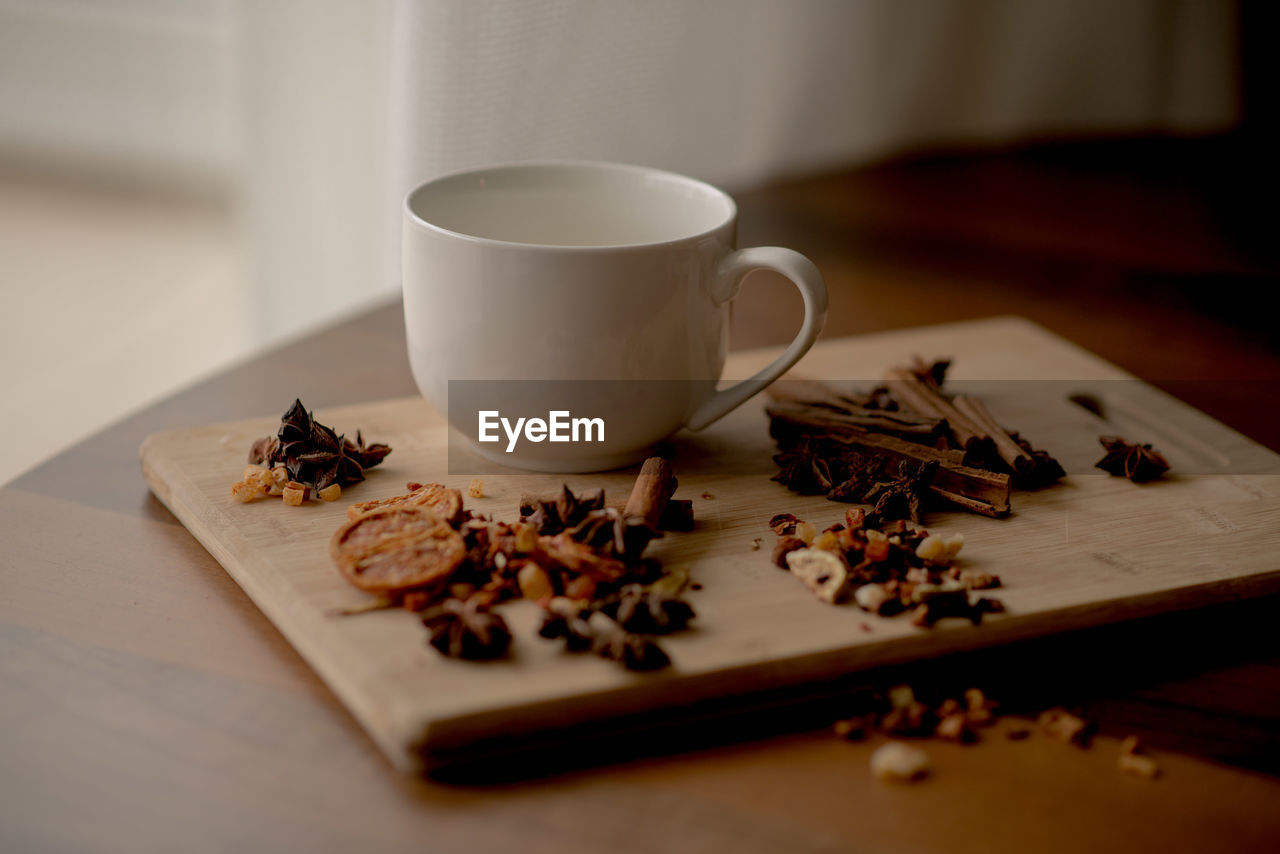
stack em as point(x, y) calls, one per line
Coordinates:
point(354, 102)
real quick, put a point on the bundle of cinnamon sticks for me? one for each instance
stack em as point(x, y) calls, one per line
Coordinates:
point(862, 444)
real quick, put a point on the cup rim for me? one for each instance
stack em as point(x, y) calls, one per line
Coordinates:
point(411, 216)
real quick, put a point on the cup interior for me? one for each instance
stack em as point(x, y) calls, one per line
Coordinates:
point(571, 204)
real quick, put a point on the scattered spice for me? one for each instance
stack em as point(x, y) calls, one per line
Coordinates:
point(707, 496)
point(1139, 463)
point(899, 713)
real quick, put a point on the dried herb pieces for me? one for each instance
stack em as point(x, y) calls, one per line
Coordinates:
point(1139, 463)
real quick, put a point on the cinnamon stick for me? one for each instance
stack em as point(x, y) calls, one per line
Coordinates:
point(1031, 469)
point(910, 391)
point(1008, 450)
point(654, 486)
point(974, 489)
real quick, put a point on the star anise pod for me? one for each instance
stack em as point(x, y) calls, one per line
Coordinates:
point(861, 474)
point(1139, 463)
point(573, 509)
point(464, 630)
point(649, 612)
point(544, 518)
point(930, 373)
point(901, 497)
point(567, 511)
point(264, 451)
point(803, 470)
point(314, 453)
point(367, 455)
point(565, 620)
point(633, 651)
point(1044, 469)
point(608, 532)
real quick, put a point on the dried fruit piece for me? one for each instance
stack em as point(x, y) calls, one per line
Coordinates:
point(1133, 761)
point(396, 548)
point(534, 582)
point(899, 762)
point(1064, 726)
point(579, 558)
point(444, 502)
point(822, 572)
point(938, 549)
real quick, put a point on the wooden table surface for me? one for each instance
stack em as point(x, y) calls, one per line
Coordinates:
point(146, 705)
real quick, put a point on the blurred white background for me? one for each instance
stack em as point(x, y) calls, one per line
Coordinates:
point(186, 182)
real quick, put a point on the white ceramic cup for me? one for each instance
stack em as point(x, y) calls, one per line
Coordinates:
point(604, 286)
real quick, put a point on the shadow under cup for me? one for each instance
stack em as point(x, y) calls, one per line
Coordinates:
point(542, 295)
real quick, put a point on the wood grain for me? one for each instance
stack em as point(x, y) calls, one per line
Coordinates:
point(1091, 551)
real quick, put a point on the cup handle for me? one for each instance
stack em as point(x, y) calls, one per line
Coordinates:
point(729, 275)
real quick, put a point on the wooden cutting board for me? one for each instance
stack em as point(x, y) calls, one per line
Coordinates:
point(1093, 549)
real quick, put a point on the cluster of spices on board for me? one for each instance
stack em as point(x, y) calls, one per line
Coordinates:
point(887, 568)
point(581, 560)
point(904, 447)
point(304, 460)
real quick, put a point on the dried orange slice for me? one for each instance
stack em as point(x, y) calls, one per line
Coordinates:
point(436, 497)
point(396, 548)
